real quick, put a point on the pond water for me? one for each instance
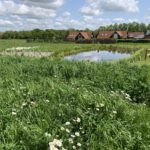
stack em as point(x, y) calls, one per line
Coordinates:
point(98, 56)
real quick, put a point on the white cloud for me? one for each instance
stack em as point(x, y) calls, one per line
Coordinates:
point(119, 20)
point(66, 14)
point(10, 7)
point(133, 20)
point(50, 4)
point(25, 14)
point(30, 14)
point(5, 23)
point(90, 10)
point(96, 7)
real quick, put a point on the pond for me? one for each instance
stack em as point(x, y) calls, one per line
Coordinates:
point(98, 56)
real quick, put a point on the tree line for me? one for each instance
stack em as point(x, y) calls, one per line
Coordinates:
point(36, 35)
point(131, 27)
point(51, 35)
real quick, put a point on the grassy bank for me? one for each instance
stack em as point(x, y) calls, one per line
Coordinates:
point(84, 105)
point(61, 49)
point(105, 109)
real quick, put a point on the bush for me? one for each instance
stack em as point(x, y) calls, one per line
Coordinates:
point(105, 41)
point(101, 41)
point(133, 40)
point(84, 41)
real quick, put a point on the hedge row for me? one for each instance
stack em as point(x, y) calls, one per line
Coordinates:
point(111, 41)
point(102, 41)
point(133, 40)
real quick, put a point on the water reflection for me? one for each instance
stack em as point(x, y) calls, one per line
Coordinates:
point(98, 56)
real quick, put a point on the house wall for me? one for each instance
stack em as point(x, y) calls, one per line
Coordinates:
point(79, 37)
point(116, 36)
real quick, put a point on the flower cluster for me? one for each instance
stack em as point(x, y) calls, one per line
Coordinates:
point(123, 93)
point(20, 48)
point(56, 145)
point(71, 133)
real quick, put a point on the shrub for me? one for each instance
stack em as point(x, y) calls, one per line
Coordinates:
point(133, 40)
point(105, 41)
point(83, 41)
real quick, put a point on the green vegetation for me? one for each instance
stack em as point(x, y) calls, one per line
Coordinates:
point(90, 106)
point(61, 49)
point(51, 35)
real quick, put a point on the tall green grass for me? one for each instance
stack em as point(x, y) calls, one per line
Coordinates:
point(106, 106)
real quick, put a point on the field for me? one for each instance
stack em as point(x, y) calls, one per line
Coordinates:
point(75, 105)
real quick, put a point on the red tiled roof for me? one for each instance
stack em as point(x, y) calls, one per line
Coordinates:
point(72, 35)
point(136, 34)
point(86, 35)
point(122, 34)
point(105, 34)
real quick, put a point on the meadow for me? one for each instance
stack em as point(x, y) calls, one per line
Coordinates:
point(52, 104)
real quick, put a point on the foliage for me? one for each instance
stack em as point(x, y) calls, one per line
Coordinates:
point(133, 27)
point(37, 35)
point(134, 40)
point(105, 41)
point(84, 41)
point(100, 41)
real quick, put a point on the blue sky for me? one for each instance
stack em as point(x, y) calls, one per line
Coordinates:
point(64, 14)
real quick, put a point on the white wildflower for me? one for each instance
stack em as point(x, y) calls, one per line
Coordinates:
point(77, 134)
point(47, 134)
point(52, 147)
point(102, 105)
point(74, 120)
point(33, 103)
point(79, 144)
point(97, 109)
point(78, 119)
point(114, 112)
point(74, 147)
point(70, 141)
point(67, 130)
point(68, 123)
point(47, 101)
point(24, 104)
point(57, 142)
point(62, 128)
point(14, 113)
point(73, 136)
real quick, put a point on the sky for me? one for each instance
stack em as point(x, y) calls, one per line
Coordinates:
point(65, 14)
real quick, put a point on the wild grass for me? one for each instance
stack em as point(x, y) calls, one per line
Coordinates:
point(62, 49)
point(76, 105)
point(89, 106)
